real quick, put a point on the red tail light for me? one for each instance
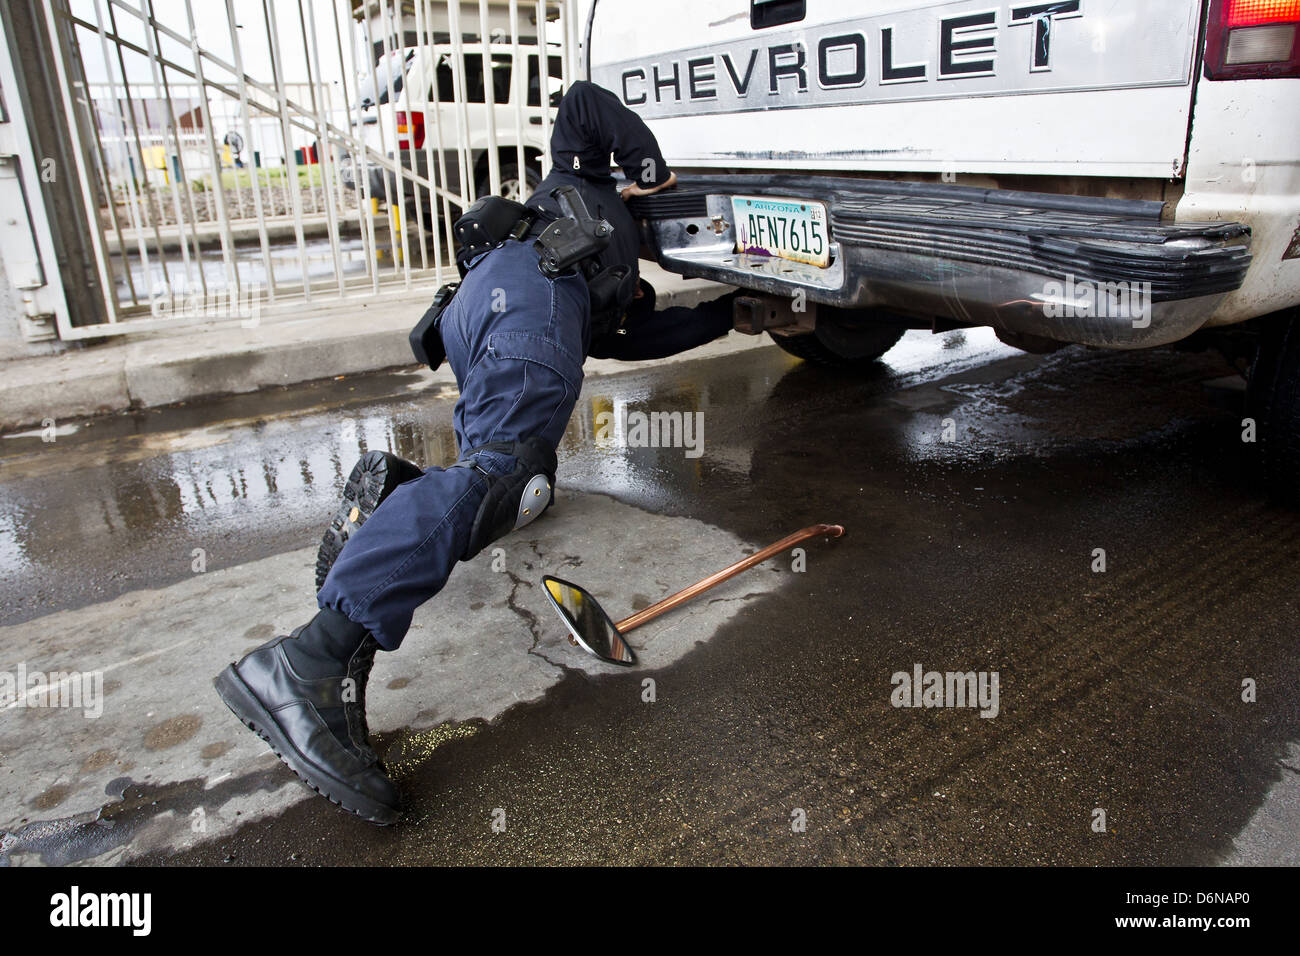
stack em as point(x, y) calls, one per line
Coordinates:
point(1253, 39)
point(1251, 13)
point(410, 129)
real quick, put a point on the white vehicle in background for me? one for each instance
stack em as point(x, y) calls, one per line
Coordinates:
point(411, 106)
point(1114, 173)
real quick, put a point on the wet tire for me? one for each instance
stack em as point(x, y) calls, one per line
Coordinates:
point(1273, 399)
point(843, 339)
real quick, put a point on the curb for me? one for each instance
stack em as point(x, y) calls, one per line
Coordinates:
point(186, 365)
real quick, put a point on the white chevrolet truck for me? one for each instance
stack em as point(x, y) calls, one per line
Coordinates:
point(1113, 173)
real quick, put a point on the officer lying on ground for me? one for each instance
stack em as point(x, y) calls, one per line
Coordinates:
point(544, 285)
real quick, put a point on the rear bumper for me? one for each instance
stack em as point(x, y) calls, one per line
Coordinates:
point(1100, 272)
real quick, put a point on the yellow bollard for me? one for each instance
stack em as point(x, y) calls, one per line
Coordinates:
point(602, 427)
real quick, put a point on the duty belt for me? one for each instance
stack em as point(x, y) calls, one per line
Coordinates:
point(571, 242)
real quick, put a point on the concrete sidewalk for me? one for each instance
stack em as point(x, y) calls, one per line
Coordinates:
point(149, 370)
point(152, 741)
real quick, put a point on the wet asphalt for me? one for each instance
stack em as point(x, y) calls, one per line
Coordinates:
point(775, 741)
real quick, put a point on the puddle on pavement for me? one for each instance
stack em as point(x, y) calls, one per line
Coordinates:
point(651, 435)
point(182, 811)
point(85, 836)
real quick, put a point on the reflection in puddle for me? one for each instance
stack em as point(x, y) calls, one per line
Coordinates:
point(140, 486)
point(733, 402)
point(192, 482)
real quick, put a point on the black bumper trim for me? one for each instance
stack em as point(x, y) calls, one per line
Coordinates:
point(1094, 239)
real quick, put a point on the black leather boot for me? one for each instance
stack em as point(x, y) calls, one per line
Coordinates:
point(305, 695)
point(373, 479)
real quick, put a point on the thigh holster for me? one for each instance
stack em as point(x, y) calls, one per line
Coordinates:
point(515, 499)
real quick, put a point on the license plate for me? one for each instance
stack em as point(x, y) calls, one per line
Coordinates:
point(788, 228)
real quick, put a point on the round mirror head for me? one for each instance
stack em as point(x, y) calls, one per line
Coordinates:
point(587, 622)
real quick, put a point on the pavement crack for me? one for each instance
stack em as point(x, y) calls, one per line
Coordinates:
point(527, 615)
point(740, 597)
point(512, 601)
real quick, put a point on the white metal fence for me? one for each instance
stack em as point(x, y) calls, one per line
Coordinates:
point(249, 159)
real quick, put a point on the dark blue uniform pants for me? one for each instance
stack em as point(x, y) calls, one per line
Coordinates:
point(514, 340)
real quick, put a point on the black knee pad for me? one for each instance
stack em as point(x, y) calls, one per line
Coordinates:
point(516, 499)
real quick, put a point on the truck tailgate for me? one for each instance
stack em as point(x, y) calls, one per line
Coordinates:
point(1077, 87)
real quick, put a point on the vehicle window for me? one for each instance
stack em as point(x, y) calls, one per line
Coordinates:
point(500, 78)
point(474, 90)
point(390, 74)
point(446, 88)
point(556, 69)
point(446, 92)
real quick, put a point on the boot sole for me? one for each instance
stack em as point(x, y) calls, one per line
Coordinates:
point(243, 703)
point(373, 479)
